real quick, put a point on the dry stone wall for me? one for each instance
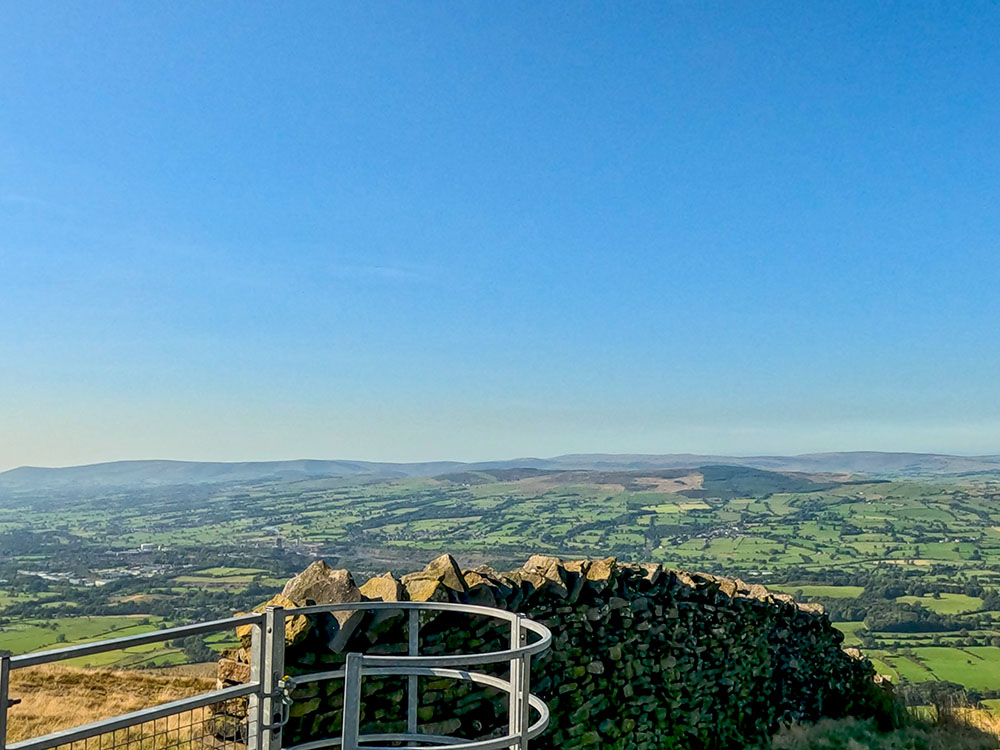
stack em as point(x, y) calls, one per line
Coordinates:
point(641, 658)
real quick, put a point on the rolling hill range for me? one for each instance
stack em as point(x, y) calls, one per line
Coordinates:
point(165, 473)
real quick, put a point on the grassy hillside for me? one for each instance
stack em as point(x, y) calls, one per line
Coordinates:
point(54, 698)
point(969, 729)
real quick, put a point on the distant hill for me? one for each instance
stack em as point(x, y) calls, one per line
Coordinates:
point(852, 462)
point(163, 473)
point(158, 473)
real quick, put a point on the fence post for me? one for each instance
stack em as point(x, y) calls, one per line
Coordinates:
point(273, 668)
point(514, 715)
point(524, 688)
point(255, 701)
point(352, 703)
point(4, 697)
point(412, 684)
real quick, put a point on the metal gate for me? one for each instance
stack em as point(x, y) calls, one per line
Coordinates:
point(190, 724)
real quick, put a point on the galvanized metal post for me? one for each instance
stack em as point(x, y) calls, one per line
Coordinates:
point(524, 689)
point(273, 668)
point(412, 682)
point(514, 714)
point(4, 698)
point(255, 702)
point(352, 703)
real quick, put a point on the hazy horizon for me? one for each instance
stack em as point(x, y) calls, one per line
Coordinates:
point(488, 459)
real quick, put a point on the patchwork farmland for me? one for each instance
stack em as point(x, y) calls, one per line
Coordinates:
point(909, 569)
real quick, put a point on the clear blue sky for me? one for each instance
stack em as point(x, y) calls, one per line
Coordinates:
point(246, 230)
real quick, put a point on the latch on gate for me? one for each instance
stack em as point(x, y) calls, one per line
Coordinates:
point(284, 696)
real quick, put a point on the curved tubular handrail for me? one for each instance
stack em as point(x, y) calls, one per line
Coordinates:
point(480, 679)
point(489, 657)
point(444, 741)
point(456, 674)
point(439, 741)
point(415, 665)
point(473, 609)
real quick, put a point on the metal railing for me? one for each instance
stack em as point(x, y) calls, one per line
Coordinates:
point(268, 692)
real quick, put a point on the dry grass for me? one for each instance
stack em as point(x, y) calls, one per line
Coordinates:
point(976, 718)
point(958, 729)
point(54, 698)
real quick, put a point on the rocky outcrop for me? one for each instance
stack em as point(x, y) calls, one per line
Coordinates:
point(642, 657)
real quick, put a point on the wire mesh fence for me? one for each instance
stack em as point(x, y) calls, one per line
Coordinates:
point(52, 697)
point(214, 727)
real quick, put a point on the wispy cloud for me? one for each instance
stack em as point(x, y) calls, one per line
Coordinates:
point(260, 266)
point(20, 198)
point(389, 272)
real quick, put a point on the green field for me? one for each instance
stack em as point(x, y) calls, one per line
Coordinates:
point(975, 667)
point(229, 572)
point(848, 629)
point(947, 604)
point(7, 599)
point(39, 635)
point(992, 705)
point(834, 592)
point(28, 636)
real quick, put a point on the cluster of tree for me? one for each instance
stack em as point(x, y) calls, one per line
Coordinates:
point(944, 696)
point(195, 649)
point(991, 601)
point(878, 582)
point(897, 617)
